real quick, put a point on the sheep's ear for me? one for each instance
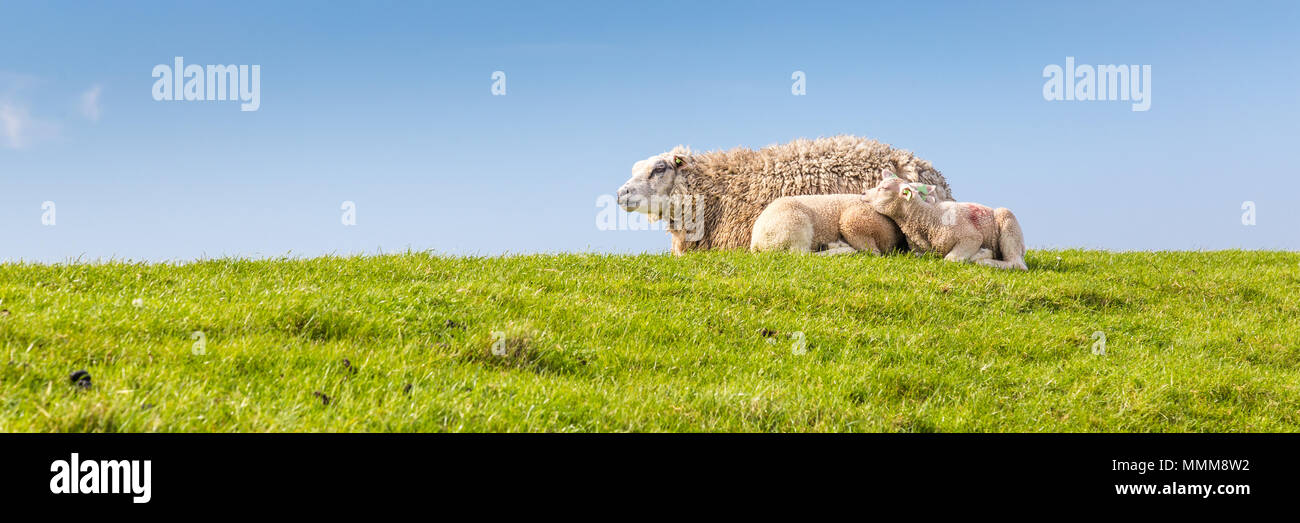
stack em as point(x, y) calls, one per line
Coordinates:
point(678, 161)
point(906, 192)
point(890, 174)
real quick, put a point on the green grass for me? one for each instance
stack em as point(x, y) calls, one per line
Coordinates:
point(1195, 341)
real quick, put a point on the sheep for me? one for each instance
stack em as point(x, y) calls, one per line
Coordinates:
point(829, 224)
point(959, 231)
point(712, 199)
point(837, 223)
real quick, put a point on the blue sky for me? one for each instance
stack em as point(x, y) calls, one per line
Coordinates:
point(389, 105)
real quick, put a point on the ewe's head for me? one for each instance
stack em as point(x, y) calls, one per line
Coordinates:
point(652, 181)
point(893, 194)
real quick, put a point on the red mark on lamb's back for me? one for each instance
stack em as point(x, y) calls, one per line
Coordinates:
point(979, 213)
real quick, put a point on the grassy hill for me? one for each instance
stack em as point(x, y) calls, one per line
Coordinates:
point(1194, 341)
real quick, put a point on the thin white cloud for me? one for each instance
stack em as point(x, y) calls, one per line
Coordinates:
point(90, 103)
point(13, 123)
point(18, 128)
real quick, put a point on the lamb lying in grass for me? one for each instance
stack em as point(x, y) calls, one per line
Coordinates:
point(959, 231)
point(837, 223)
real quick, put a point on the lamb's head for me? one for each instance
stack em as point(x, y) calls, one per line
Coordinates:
point(652, 182)
point(893, 195)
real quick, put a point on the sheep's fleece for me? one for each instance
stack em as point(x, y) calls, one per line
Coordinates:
point(712, 199)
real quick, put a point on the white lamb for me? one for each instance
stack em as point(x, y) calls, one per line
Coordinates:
point(959, 231)
point(830, 224)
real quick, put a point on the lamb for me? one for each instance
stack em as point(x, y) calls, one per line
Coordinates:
point(959, 231)
point(712, 199)
point(829, 224)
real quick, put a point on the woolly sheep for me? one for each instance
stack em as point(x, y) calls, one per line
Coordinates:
point(712, 199)
point(959, 231)
point(829, 224)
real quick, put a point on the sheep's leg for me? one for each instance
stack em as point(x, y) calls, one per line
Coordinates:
point(1010, 241)
point(858, 225)
point(983, 254)
point(679, 242)
point(870, 246)
point(862, 243)
point(838, 247)
point(964, 251)
point(1003, 264)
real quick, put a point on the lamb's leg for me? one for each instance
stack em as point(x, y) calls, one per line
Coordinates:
point(838, 247)
point(1003, 264)
point(857, 225)
point(964, 251)
point(869, 245)
point(1010, 240)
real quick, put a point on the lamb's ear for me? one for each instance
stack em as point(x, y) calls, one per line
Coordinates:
point(890, 174)
point(931, 193)
point(679, 161)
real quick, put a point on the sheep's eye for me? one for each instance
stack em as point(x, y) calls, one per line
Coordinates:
point(659, 168)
